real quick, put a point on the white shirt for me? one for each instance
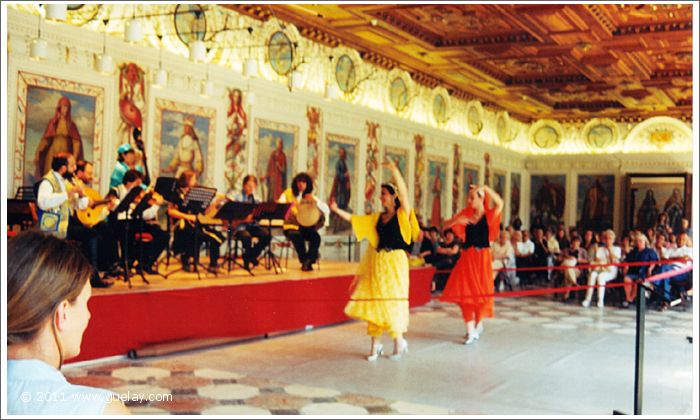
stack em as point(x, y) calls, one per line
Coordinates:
point(149, 214)
point(47, 198)
point(36, 388)
point(684, 251)
point(602, 256)
point(502, 252)
point(526, 248)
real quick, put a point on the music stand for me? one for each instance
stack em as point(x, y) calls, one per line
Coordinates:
point(196, 202)
point(167, 188)
point(238, 211)
point(123, 207)
point(271, 211)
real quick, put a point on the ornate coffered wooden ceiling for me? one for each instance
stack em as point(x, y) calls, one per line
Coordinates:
point(561, 61)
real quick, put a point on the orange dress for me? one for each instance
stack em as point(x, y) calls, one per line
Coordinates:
point(471, 281)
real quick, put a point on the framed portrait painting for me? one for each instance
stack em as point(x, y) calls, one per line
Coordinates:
point(185, 136)
point(547, 200)
point(651, 195)
point(594, 202)
point(515, 190)
point(275, 161)
point(340, 177)
point(400, 157)
point(470, 176)
point(437, 190)
point(54, 116)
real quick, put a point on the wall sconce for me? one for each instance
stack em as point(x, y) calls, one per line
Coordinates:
point(198, 51)
point(56, 12)
point(133, 32)
point(40, 48)
point(161, 79)
point(251, 68)
point(331, 92)
point(206, 90)
point(105, 64)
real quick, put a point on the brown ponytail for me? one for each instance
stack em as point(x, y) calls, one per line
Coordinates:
point(42, 272)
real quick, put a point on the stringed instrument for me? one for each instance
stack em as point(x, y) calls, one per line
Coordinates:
point(94, 213)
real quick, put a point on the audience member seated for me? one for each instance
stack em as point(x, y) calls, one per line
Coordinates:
point(447, 254)
point(503, 256)
point(428, 247)
point(540, 257)
point(640, 253)
point(684, 254)
point(570, 258)
point(524, 249)
point(48, 289)
point(562, 238)
point(604, 254)
point(588, 241)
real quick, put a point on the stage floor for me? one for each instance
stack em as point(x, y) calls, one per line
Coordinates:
point(178, 279)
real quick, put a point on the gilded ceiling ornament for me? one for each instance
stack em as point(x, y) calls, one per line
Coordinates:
point(475, 117)
point(545, 134)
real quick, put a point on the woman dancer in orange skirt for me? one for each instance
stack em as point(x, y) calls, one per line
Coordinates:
point(471, 282)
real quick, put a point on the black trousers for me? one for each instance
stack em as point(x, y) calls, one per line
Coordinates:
point(107, 245)
point(146, 252)
point(183, 242)
point(299, 238)
point(88, 239)
point(250, 251)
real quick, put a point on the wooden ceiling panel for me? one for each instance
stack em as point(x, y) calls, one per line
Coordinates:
point(559, 61)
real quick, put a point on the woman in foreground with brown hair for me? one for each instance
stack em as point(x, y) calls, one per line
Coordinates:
point(48, 289)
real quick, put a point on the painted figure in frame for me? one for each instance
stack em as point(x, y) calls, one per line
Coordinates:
point(341, 189)
point(61, 135)
point(276, 174)
point(188, 154)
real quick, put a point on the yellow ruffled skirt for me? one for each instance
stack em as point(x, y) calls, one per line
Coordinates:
point(380, 294)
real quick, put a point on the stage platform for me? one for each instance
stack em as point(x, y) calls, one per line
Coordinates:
point(229, 305)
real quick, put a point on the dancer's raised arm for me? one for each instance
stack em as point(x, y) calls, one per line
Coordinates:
point(402, 190)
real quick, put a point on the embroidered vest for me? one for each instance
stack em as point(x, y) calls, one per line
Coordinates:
point(55, 220)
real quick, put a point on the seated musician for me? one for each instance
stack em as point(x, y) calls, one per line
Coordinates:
point(152, 249)
point(250, 230)
point(186, 226)
point(108, 247)
point(57, 198)
point(300, 192)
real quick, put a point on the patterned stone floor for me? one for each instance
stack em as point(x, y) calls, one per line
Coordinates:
point(216, 391)
point(525, 363)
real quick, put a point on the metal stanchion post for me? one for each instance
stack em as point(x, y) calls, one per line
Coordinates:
point(639, 350)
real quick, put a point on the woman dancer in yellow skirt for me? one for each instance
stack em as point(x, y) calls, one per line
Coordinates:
point(380, 294)
point(471, 281)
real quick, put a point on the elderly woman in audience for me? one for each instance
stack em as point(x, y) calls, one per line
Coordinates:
point(640, 253)
point(503, 257)
point(606, 254)
point(48, 289)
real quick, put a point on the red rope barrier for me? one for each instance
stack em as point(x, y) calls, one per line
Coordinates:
point(581, 266)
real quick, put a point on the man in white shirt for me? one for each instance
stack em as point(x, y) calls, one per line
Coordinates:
point(524, 250)
point(57, 198)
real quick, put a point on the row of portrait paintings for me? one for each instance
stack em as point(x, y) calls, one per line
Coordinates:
point(648, 197)
point(57, 115)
